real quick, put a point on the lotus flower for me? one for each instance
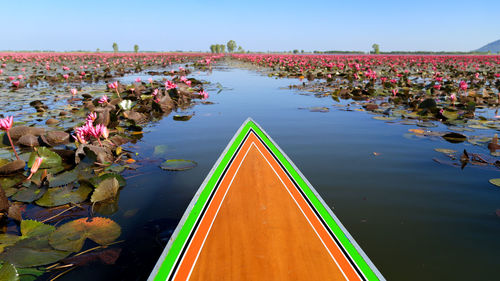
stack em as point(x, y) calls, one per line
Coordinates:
point(6, 125)
point(73, 91)
point(170, 85)
point(104, 99)
point(203, 94)
point(36, 166)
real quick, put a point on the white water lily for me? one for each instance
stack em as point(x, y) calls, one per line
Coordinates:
point(125, 104)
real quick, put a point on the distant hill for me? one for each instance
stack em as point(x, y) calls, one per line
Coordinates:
point(493, 47)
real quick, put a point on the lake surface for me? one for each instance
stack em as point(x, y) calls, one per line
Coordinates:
point(416, 219)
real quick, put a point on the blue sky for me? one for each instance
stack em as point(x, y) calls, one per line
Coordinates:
point(255, 25)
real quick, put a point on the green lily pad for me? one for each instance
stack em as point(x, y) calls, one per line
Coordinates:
point(58, 196)
point(96, 180)
point(29, 257)
point(50, 158)
point(451, 115)
point(107, 189)
point(28, 194)
point(72, 235)
point(495, 182)
point(178, 165)
point(8, 272)
point(29, 274)
point(64, 178)
point(32, 247)
point(182, 117)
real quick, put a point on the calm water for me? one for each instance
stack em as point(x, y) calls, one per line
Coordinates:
point(415, 219)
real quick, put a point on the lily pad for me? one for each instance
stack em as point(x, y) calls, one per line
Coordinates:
point(58, 196)
point(178, 165)
point(454, 137)
point(29, 194)
point(445, 150)
point(182, 117)
point(29, 257)
point(107, 189)
point(495, 182)
point(50, 158)
point(96, 180)
point(72, 235)
point(64, 178)
point(8, 272)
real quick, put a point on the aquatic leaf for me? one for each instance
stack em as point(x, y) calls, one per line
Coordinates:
point(7, 240)
point(16, 210)
point(29, 257)
point(58, 196)
point(178, 165)
point(445, 150)
point(495, 182)
point(50, 158)
point(29, 274)
point(32, 248)
point(96, 180)
point(28, 194)
point(8, 272)
point(182, 117)
point(72, 235)
point(107, 189)
point(64, 178)
point(451, 115)
point(32, 228)
point(384, 118)
point(454, 137)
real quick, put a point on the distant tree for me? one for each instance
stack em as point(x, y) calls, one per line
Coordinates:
point(295, 51)
point(213, 49)
point(97, 50)
point(240, 49)
point(115, 47)
point(231, 46)
point(136, 48)
point(376, 49)
point(217, 48)
point(222, 48)
point(302, 51)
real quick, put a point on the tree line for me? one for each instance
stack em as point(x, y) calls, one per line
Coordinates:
point(232, 47)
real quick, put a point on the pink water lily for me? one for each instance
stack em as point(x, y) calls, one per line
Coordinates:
point(203, 94)
point(170, 85)
point(138, 80)
point(16, 83)
point(73, 91)
point(5, 125)
point(36, 166)
point(104, 99)
point(463, 85)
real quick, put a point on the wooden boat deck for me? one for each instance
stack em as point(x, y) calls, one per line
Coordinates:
point(256, 218)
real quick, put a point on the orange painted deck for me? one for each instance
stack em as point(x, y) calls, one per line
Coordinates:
point(259, 227)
